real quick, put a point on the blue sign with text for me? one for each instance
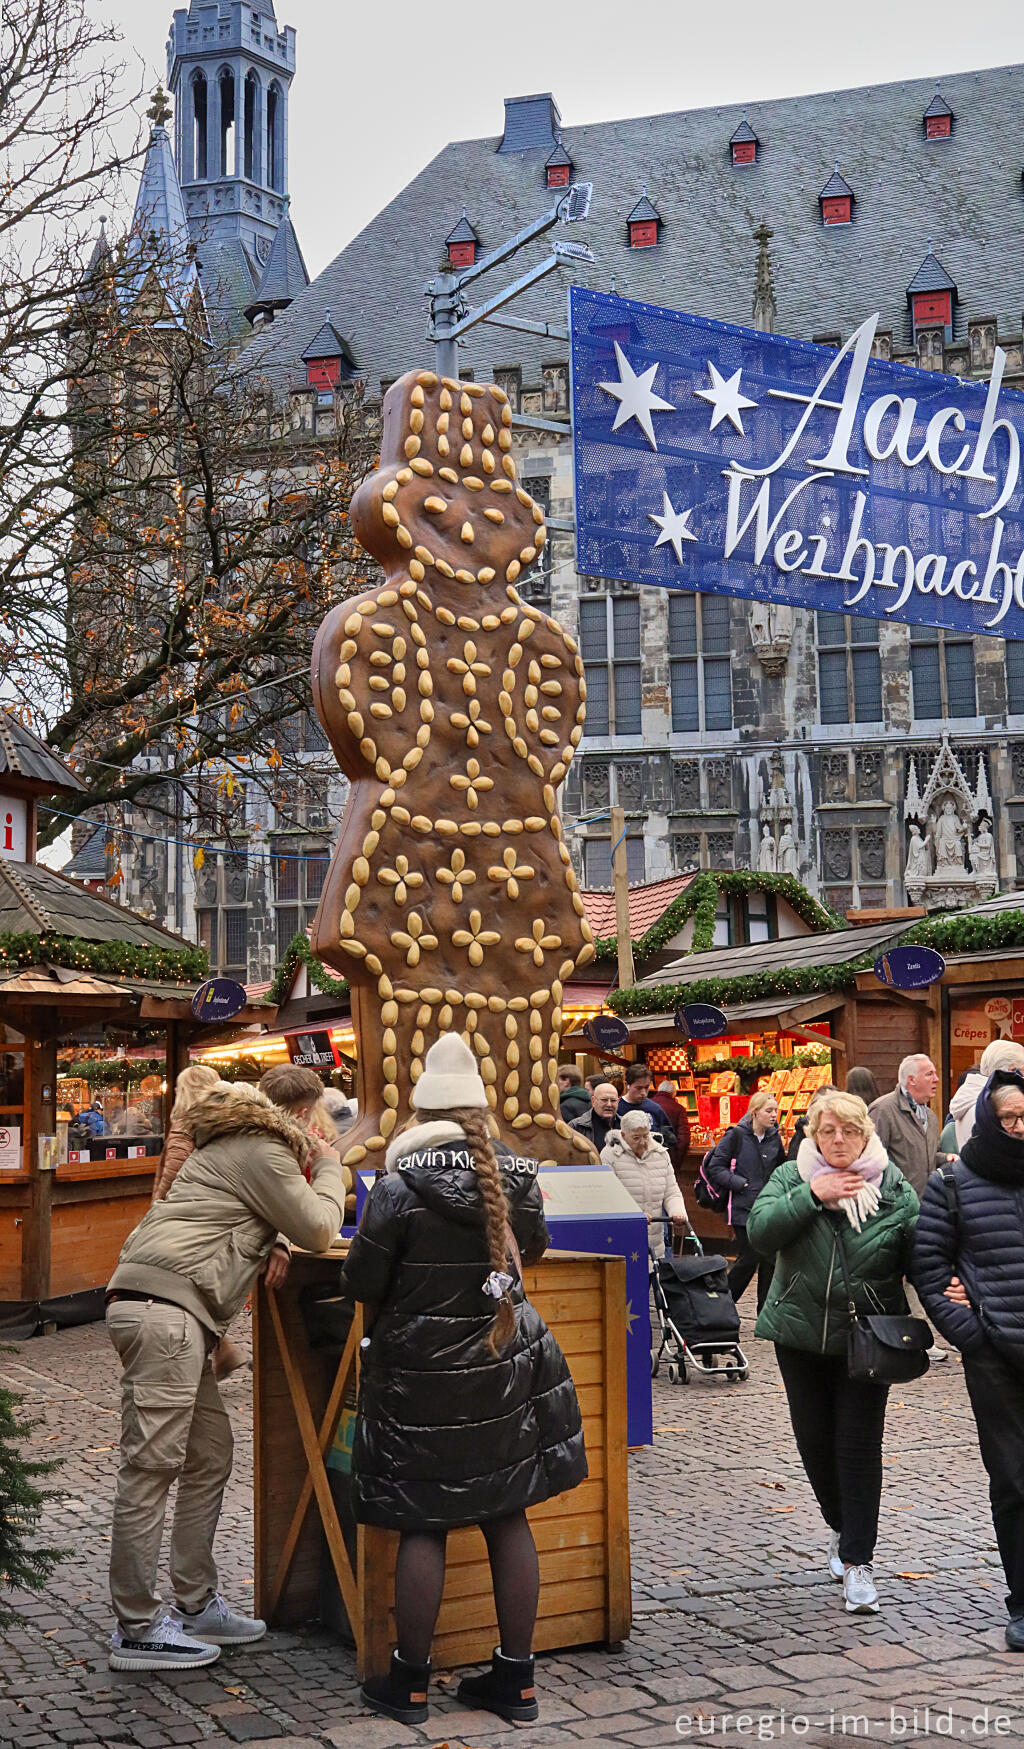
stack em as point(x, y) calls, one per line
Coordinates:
point(218, 999)
point(717, 458)
point(606, 1031)
point(909, 968)
point(701, 1020)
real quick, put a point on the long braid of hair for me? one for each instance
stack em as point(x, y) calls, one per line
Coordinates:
point(473, 1124)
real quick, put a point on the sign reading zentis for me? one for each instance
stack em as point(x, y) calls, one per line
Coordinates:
point(722, 459)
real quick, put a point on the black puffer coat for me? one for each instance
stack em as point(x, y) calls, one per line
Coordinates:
point(447, 1432)
point(755, 1160)
point(984, 1247)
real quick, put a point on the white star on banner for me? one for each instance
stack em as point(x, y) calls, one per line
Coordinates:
point(636, 396)
point(726, 399)
point(673, 526)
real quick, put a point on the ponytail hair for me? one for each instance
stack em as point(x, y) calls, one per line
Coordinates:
point(473, 1124)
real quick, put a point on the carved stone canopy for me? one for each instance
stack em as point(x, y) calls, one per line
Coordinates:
point(947, 866)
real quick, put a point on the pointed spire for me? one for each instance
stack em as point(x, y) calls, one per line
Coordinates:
point(284, 275)
point(765, 309)
point(159, 237)
point(982, 798)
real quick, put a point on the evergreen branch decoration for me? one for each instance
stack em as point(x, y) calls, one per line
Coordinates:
point(25, 1565)
point(764, 1063)
point(700, 901)
point(111, 1071)
point(751, 987)
point(299, 950)
point(124, 959)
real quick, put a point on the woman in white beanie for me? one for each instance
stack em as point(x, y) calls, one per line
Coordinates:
point(467, 1413)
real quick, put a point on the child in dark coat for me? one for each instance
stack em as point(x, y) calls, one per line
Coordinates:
point(467, 1413)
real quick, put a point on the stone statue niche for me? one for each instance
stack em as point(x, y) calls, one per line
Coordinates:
point(951, 857)
point(454, 707)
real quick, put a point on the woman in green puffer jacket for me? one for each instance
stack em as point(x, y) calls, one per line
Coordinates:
point(840, 1179)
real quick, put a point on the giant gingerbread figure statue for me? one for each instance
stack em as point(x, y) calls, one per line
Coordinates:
point(454, 707)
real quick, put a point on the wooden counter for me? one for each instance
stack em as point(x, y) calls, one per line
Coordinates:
point(582, 1537)
point(87, 1212)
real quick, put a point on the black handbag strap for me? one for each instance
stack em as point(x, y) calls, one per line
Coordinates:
point(843, 1264)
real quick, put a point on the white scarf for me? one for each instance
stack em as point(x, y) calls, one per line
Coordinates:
point(860, 1207)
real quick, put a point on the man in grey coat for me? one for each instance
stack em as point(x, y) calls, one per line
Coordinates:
point(909, 1131)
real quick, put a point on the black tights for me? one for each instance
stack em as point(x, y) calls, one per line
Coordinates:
point(419, 1584)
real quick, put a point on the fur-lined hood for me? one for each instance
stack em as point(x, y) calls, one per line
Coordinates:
point(237, 1109)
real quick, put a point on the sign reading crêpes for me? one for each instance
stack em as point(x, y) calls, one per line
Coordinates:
point(717, 458)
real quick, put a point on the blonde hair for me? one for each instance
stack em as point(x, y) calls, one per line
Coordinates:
point(757, 1100)
point(195, 1081)
point(473, 1124)
point(321, 1120)
point(846, 1107)
point(1002, 1053)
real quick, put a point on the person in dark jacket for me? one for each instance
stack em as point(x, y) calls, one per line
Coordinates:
point(843, 1181)
point(862, 1083)
point(637, 1097)
point(800, 1130)
point(969, 1271)
point(573, 1097)
point(602, 1117)
point(666, 1100)
point(740, 1166)
point(467, 1413)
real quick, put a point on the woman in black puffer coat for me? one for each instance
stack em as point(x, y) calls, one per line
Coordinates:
point(467, 1413)
point(969, 1271)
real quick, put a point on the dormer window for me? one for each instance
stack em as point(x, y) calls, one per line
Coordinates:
point(931, 296)
point(938, 119)
point(644, 223)
point(462, 243)
point(743, 144)
point(558, 168)
point(836, 200)
point(327, 358)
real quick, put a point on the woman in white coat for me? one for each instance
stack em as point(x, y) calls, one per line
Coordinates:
point(643, 1166)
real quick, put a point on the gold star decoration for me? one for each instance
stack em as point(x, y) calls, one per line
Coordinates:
point(475, 938)
point(400, 879)
point(472, 782)
point(458, 876)
point(631, 1317)
point(413, 940)
point(537, 943)
point(511, 873)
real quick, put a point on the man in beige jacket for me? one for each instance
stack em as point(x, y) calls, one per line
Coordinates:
point(181, 1277)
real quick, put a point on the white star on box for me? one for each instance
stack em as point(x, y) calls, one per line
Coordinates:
point(636, 396)
point(726, 399)
point(673, 526)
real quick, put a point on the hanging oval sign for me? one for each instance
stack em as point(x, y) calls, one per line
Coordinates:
point(701, 1020)
point(606, 1031)
point(218, 999)
point(909, 968)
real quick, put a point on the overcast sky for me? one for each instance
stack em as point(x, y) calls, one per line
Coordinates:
point(380, 89)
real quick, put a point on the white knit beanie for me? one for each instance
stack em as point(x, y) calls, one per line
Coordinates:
point(450, 1077)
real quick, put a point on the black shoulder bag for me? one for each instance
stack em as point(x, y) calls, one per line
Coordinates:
point(888, 1348)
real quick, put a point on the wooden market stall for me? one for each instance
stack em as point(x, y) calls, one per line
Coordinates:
point(314, 1563)
point(77, 974)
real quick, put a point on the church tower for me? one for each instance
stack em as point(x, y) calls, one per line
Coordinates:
point(229, 68)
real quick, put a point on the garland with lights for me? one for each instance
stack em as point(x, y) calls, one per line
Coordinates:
point(700, 901)
point(298, 949)
point(111, 1071)
point(752, 987)
point(124, 959)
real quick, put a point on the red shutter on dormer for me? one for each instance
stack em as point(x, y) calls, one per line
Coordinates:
point(643, 233)
point(462, 254)
point(323, 373)
point(744, 152)
point(938, 127)
point(836, 210)
point(558, 175)
point(933, 309)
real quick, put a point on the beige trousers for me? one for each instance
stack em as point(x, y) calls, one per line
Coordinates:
point(174, 1427)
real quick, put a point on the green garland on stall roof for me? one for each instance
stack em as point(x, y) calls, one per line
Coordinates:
point(700, 901)
point(967, 933)
point(752, 987)
point(111, 1071)
point(125, 959)
point(299, 949)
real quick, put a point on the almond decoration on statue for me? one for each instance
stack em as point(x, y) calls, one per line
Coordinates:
point(454, 707)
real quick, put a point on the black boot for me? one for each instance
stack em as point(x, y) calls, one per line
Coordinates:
point(506, 1689)
point(402, 1693)
point(1015, 1633)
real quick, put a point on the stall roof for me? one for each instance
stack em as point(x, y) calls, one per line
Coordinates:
point(22, 754)
point(833, 948)
point(794, 1010)
point(35, 900)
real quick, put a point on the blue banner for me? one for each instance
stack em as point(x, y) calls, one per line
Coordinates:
point(721, 459)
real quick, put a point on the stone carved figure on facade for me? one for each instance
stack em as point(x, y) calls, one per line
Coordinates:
point(949, 838)
point(919, 855)
point(787, 854)
point(771, 634)
point(767, 856)
point(945, 810)
point(983, 851)
point(454, 708)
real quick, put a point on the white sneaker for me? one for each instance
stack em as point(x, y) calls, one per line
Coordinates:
point(218, 1625)
point(835, 1565)
point(859, 1590)
point(937, 1353)
point(164, 1647)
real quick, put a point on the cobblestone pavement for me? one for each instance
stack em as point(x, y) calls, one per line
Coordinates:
point(739, 1635)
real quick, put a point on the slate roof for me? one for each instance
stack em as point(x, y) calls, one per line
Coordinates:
point(285, 274)
point(159, 207)
point(558, 156)
point(743, 135)
point(463, 232)
point(37, 900)
point(836, 186)
point(22, 754)
point(827, 279)
point(938, 106)
point(832, 948)
point(89, 862)
point(643, 211)
point(530, 122)
point(229, 279)
point(931, 276)
point(328, 343)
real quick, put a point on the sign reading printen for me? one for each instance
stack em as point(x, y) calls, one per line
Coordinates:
point(721, 459)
